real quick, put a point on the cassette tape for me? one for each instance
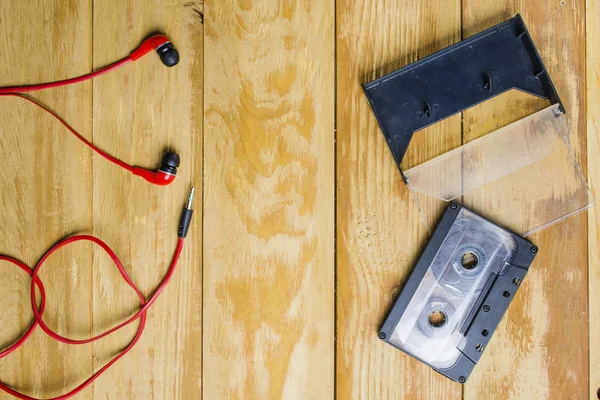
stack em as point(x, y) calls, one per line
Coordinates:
point(458, 292)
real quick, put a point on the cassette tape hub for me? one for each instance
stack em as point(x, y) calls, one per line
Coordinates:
point(458, 292)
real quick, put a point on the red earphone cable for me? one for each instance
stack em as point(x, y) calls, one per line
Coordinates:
point(73, 131)
point(184, 224)
point(141, 314)
point(42, 86)
point(30, 330)
point(145, 304)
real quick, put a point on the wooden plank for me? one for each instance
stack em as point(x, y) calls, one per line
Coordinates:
point(540, 349)
point(269, 203)
point(593, 148)
point(379, 231)
point(139, 111)
point(45, 191)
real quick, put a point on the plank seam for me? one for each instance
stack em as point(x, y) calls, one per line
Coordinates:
point(93, 358)
point(335, 204)
point(202, 330)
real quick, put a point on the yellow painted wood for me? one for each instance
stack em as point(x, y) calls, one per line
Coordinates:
point(139, 112)
point(45, 191)
point(379, 231)
point(53, 188)
point(269, 204)
point(593, 170)
point(272, 326)
point(540, 348)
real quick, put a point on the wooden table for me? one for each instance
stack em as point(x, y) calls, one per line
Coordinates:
point(302, 234)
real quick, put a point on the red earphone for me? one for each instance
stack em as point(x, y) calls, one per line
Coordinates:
point(163, 176)
point(166, 172)
point(168, 55)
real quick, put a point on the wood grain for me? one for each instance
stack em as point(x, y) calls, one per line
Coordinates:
point(379, 231)
point(46, 191)
point(593, 149)
point(540, 347)
point(269, 203)
point(282, 83)
point(139, 112)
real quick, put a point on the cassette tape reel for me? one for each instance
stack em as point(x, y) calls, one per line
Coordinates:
point(458, 292)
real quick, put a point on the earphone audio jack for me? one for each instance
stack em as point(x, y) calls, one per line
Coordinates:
point(186, 216)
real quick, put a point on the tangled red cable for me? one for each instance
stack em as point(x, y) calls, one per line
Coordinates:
point(167, 53)
point(37, 312)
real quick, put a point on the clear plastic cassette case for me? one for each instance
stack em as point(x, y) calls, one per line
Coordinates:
point(492, 174)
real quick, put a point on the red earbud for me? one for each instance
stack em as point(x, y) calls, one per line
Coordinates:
point(166, 172)
point(163, 46)
point(169, 57)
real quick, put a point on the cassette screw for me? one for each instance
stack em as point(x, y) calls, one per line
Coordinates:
point(534, 249)
point(381, 335)
point(486, 308)
point(462, 379)
point(453, 206)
